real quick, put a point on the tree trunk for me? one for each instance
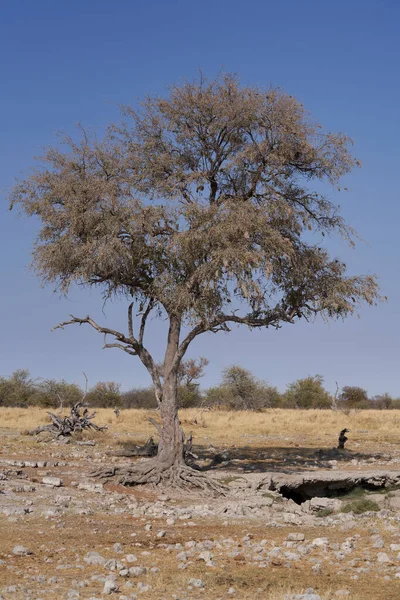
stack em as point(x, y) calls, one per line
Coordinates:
point(170, 449)
point(168, 467)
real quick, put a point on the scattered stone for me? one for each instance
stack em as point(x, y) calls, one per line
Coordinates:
point(161, 534)
point(295, 537)
point(21, 551)
point(94, 558)
point(197, 583)
point(130, 558)
point(137, 571)
point(52, 481)
point(110, 586)
point(382, 557)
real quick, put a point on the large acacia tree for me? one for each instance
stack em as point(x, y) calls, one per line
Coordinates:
point(198, 208)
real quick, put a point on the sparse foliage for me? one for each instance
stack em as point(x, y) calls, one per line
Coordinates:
point(49, 392)
point(189, 373)
point(241, 390)
point(382, 401)
point(18, 389)
point(353, 396)
point(199, 208)
point(104, 393)
point(308, 393)
point(139, 398)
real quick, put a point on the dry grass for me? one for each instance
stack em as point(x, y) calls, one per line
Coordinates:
point(309, 427)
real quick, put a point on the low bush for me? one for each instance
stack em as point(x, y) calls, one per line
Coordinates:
point(360, 505)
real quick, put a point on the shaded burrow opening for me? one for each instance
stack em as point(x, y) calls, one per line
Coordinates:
point(304, 491)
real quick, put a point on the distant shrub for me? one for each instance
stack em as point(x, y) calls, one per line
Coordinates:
point(18, 389)
point(139, 398)
point(382, 402)
point(307, 393)
point(353, 396)
point(104, 394)
point(241, 390)
point(50, 393)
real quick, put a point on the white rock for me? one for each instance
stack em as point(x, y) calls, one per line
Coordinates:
point(137, 571)
point(94, 558)
point(382, 557)
point(395, 547)
point(110, 586)
point(21, 551)
point(296, 537)
point(52, 481)
point(143, 587)
point(206, 556)
point(320, 542)
point(130, 558)
point(197, 583)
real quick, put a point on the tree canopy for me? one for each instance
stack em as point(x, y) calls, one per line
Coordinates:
point(198, 200)
point(201, 206)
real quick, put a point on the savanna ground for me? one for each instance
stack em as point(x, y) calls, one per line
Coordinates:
point(66, 523)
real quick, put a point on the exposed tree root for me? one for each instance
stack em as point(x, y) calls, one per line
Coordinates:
point(179, 476)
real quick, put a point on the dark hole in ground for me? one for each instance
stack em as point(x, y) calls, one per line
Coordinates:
point(305, 492)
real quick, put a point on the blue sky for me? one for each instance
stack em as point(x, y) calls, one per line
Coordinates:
point(67, 62)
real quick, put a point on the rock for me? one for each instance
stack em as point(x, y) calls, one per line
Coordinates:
point(304, 597)
point(94, 558)
point(143, 587)
point(317, 504)
point(137, 571)
point(110, 586)
point(112, 565)
point(161, 534)
point(124, 573)
point(207, 556)
point(118, 548)
point(130, 558)
point(21, 551)
point(377, 541)
point(382, 557)
point(393, 502)
point(295, 537)
point(395, 547)
point(91, 487)
point(52, 481)
point(320, 483)
point(320, 542)
point(197, 583)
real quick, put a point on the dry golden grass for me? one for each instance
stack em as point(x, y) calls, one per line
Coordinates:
point(310, 427)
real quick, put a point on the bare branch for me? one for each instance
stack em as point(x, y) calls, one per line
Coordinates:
point(86, 385)
point(128, 344)
point(146, 313)
point(121, 347)
point(220, 324)
point(130, 320)
point(156, 425)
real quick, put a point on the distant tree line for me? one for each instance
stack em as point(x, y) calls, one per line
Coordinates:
point(238, 389)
